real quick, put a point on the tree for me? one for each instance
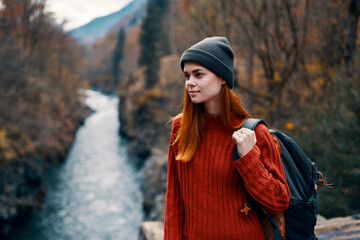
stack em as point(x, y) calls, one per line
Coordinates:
point(351, 36)
point(153, 40)
point(273, 34)
point(117, 56)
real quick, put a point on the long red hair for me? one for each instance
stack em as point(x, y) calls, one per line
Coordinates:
point(193, 121)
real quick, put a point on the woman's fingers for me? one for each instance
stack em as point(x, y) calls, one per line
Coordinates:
point(237, 137)
point(244, 134)
point(245, 140)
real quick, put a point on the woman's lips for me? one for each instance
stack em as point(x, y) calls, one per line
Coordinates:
point(193, 93)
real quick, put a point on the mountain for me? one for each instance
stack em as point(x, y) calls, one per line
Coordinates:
point(96, 29)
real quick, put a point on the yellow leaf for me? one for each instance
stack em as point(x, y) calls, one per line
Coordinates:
point(3, 138)
point(289, 125)
point(261, 93)
point(9, 155)
point(314, 68)
point(211, 11)
point(277, 76)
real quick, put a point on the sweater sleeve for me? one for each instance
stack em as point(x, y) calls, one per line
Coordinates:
point(263, 173)
point(174, 208)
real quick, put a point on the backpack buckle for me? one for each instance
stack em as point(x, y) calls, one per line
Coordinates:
point(246, 208)
point(291, 202)
point(323, 181)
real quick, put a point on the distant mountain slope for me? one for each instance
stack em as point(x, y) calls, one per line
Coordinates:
point(96, 29)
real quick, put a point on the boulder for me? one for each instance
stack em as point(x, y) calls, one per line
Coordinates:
point(347, 227)
point(154, 182)
point(151, 231)
point(21, 191)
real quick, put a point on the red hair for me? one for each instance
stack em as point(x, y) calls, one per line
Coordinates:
point(193, 121)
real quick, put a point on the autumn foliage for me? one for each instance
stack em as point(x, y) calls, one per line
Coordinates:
point(40, 107)
point(39, 79)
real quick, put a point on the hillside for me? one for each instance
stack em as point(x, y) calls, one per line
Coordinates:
point(96, 29)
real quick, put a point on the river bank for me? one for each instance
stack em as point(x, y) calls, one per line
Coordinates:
point(144, 116)
point(21, 179)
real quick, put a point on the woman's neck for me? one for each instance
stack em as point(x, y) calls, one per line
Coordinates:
point(212, 107)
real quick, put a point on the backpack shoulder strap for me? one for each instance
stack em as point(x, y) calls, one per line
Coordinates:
point(251, 123)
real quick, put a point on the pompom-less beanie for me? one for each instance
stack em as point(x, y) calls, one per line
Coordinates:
point(215, 54)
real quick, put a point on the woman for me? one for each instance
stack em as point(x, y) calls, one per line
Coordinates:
point(204, 192)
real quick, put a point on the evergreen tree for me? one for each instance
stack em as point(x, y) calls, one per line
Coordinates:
point(153, 40)
point(117, 56)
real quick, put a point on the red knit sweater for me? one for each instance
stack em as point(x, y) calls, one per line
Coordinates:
point(204, 196)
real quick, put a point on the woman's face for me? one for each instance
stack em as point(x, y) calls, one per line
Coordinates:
point(202, 85)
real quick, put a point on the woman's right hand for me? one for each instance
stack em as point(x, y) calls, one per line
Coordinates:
point(245, 140)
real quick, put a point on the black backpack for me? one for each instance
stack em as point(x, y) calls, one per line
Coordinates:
point(301, 176)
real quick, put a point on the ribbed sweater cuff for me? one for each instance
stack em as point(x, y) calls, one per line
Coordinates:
point(248, 164)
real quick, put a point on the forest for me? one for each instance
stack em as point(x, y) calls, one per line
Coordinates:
point(296, 66)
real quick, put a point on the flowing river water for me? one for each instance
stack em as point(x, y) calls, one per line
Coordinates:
point(95, 193)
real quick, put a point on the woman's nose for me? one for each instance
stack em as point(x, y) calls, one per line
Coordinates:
point(190, 82)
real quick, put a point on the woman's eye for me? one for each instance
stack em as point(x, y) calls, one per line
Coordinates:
point(199, 75)
point(187, 76)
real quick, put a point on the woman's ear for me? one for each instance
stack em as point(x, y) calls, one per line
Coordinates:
point(223, 81)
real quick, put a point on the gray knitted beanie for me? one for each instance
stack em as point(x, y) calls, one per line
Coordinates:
point(215, 54)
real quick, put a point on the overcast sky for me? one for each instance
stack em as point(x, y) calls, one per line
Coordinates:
point(80, 12)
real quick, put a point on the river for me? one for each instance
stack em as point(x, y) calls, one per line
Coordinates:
point(95, 193)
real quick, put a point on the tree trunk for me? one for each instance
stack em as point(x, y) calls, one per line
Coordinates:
point(354, 10)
